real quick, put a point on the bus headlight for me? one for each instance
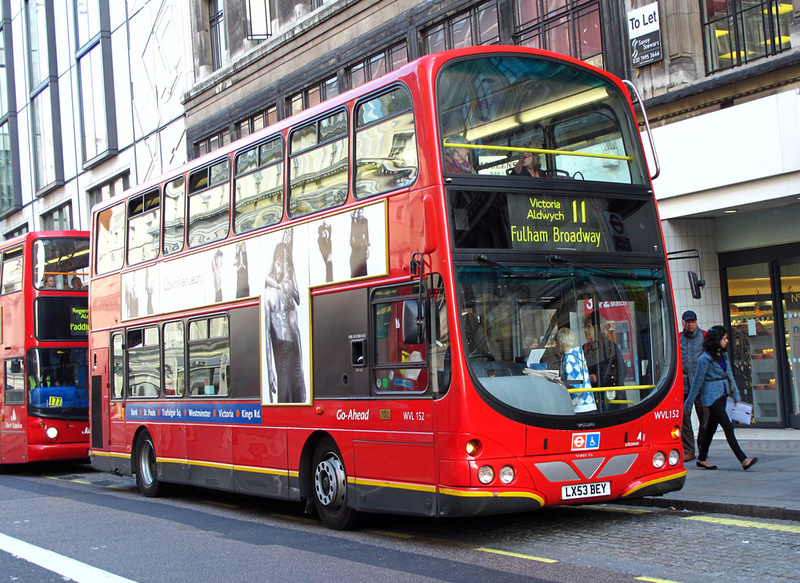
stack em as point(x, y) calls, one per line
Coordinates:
point(674, 457)
point(507, 474)
point(659, 459)
point(485, 474)
point(51, 432)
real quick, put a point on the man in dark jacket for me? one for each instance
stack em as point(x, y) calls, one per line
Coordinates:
point(691, 349)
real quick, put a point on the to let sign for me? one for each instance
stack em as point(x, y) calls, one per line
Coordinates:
point(645, 34)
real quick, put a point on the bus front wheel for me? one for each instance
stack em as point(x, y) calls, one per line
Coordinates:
point(330, 487)
point(146, 478)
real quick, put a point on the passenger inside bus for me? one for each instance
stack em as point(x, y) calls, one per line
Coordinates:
point(528, 165)
point(49, 282)
point(574, 370)
point(457, 160)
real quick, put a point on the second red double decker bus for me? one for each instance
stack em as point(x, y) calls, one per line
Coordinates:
point(442, 293)
point(44, 331)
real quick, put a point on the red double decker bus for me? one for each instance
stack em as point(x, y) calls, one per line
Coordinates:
point(442, 293)
point(44, 327)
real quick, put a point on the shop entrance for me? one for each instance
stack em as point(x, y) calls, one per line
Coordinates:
point(762, 303)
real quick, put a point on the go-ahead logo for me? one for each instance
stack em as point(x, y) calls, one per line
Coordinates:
point(584, 441)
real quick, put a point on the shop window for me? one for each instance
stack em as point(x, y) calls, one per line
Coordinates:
point(313, 95)
point(569, 27)
point(378, 64)
point(58, 219)
point(477, 26)
point(739, 32)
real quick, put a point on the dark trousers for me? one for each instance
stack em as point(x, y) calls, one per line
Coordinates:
point(687, 434)
point(718, 416)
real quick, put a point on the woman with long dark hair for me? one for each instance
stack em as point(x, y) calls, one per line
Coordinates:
point(713, 379)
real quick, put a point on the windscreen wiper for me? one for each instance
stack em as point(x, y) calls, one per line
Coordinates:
point(485, 261)
point(560, 262)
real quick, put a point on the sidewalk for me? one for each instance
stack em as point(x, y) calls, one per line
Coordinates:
point(770, 489)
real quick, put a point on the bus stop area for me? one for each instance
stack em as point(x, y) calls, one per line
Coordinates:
point(770, 489)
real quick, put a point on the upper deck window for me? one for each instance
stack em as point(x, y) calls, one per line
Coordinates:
point(318, 158)
point(386, 143)
point(109, 239)
point(144, 226)
point(523, 116)
point(61, 263)
point(209, 203)
point(174, 200)
point(12, 271)
point(258, 191)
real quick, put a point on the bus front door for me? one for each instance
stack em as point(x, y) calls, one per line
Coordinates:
point(99, 398)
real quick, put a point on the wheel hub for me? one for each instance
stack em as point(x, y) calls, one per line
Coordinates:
point(329, 481)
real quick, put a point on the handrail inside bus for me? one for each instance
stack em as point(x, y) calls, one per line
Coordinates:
point(609, 389)
point(537, 150)
point(638, 95)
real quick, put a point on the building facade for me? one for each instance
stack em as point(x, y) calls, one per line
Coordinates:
point(90, 104)
point(102, 95)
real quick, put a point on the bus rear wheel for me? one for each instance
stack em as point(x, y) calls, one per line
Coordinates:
point(146, 478)
point(330, 487)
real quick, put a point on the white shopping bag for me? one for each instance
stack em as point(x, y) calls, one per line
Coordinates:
point(741, 412)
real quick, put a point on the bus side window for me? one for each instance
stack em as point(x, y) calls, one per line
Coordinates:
point(318, 163)
point(12, 271)
point(118, 360)
point(209, 356)
point(400, 353)
point(174, 200)
point(386, 143)
point(174, 370)
point(143, 237)
point(258, 187)
point(209, 203)
point(110, 239)
point(144, 370)
point(14, 382)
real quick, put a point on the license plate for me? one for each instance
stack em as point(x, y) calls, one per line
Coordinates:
point(585, 490)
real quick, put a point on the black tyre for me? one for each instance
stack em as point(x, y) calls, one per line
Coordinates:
point(330, 487)
point(146, 478)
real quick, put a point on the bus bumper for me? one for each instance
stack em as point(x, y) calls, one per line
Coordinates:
point(468, 502)
point(655, 486)
point(59, 451)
